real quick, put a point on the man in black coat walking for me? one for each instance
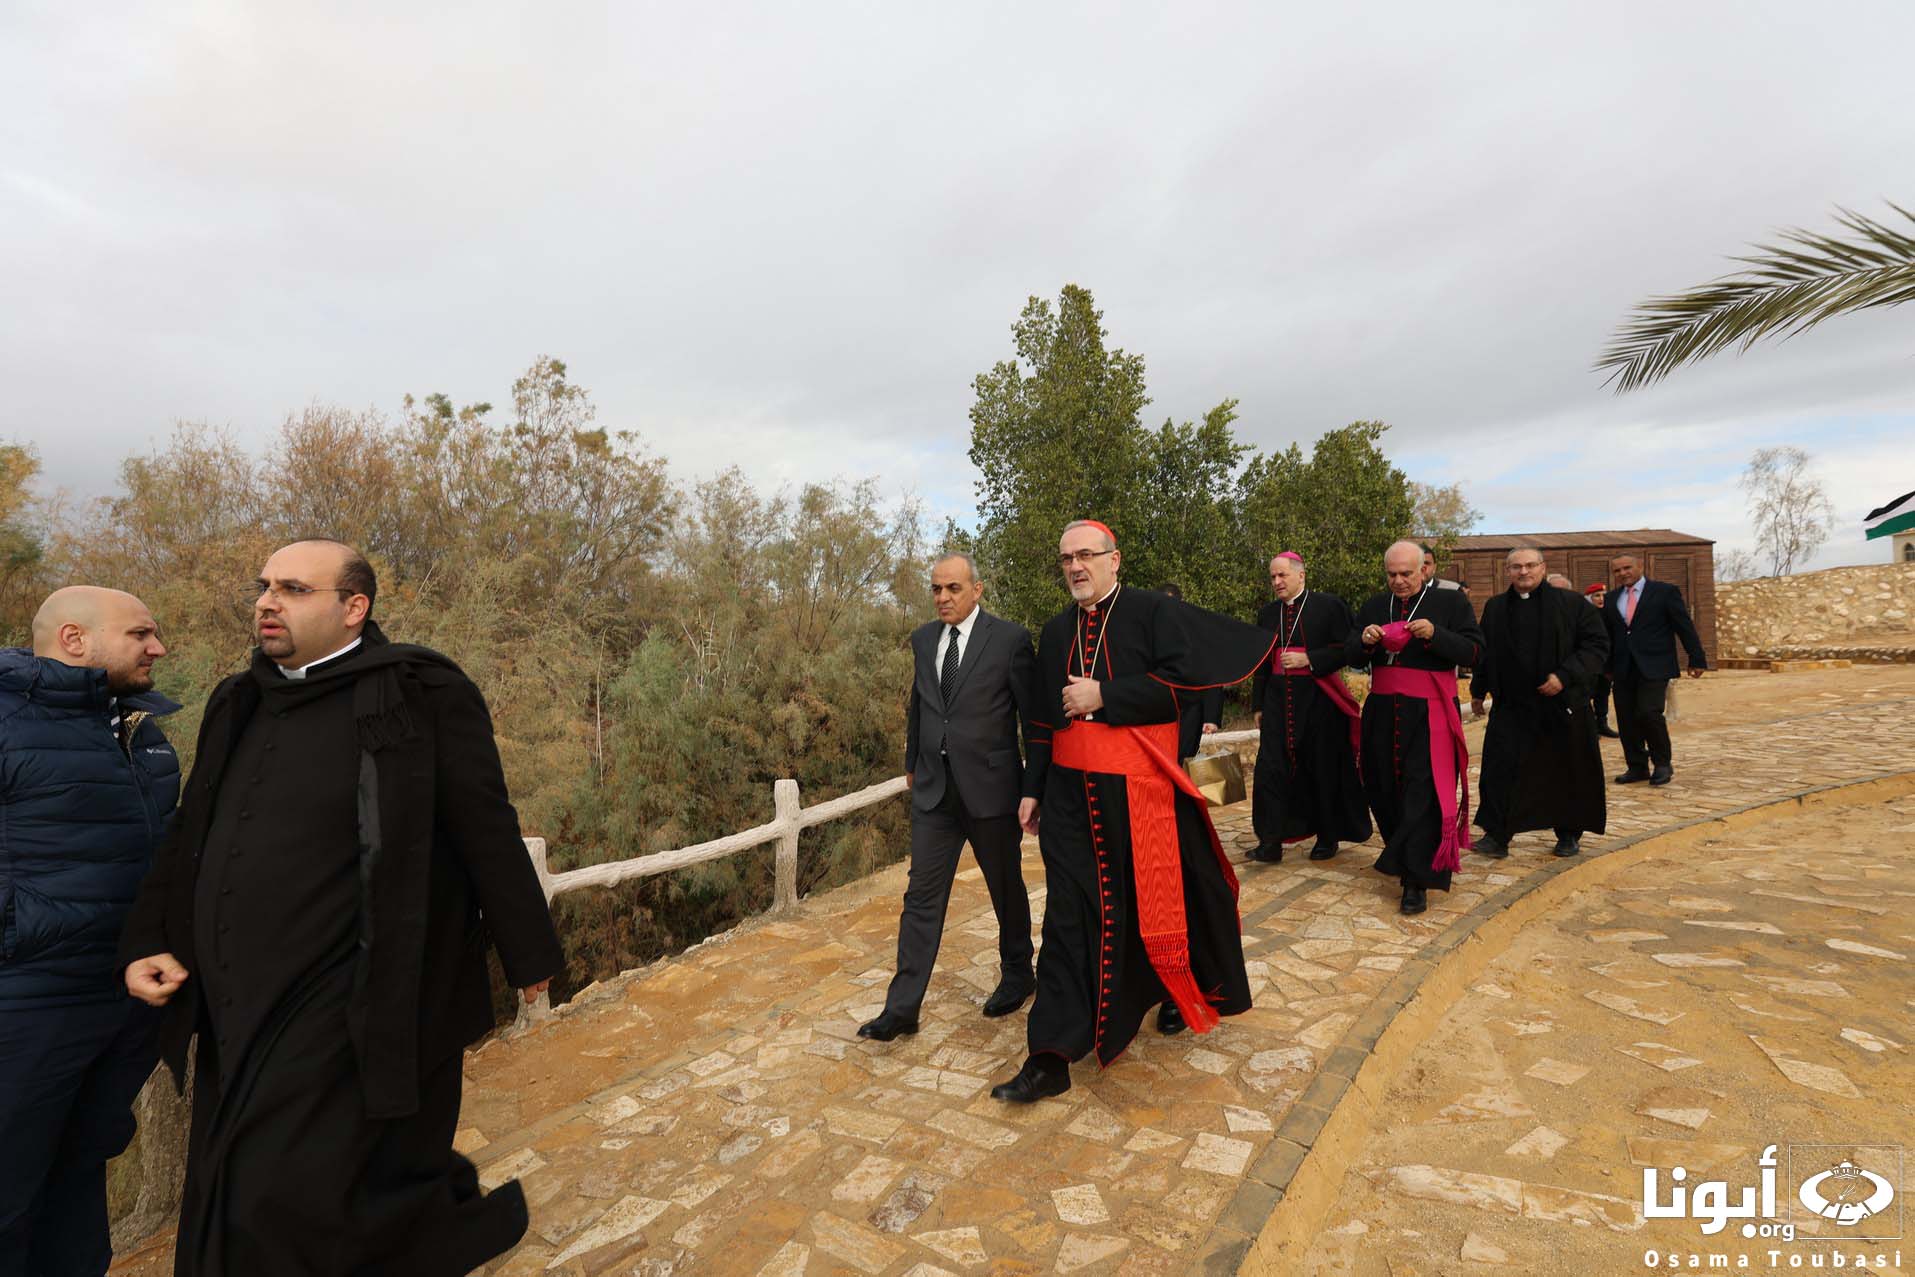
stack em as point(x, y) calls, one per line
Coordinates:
point(1645, 619)
point(1542, 766)
point(319, 914)
point(972, 689)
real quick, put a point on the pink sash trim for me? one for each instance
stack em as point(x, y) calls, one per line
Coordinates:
point(1449, 767)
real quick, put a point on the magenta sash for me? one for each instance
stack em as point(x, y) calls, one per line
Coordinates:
point(1332, 687)
point(1449, 752)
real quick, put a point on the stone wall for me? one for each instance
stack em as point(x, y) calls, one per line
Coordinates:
point(1860, 608)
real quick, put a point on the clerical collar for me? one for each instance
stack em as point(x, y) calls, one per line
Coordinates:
point(309, 666)
point(1522, 594)
point(1107, 598)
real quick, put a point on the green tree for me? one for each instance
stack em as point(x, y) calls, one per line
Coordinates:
point(1339, 510)
point(1184, 525)
point(1055, 436)
point(1787, 289)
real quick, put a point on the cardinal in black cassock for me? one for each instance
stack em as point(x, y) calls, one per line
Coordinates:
point(319, 917)
point(1415, 762)
point(1543, 650)
point(1141, 902)
point(1306, 779)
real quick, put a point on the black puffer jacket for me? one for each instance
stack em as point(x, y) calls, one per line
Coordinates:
point(80, 816)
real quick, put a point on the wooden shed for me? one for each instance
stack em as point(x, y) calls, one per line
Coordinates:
point(1688, 562)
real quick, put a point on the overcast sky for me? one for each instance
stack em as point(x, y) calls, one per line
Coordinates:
point(788, 236)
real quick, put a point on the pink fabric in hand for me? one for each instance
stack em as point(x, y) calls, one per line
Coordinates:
point(1396, 636)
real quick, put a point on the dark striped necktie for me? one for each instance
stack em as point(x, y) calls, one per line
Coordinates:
point(947, 679)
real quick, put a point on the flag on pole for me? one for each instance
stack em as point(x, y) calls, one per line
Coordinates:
point(1897, 516)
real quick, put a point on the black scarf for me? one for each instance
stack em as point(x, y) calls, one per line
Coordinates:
point(374, 669)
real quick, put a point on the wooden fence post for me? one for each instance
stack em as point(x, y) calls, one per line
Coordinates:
point(786, 810)
point(535, 848)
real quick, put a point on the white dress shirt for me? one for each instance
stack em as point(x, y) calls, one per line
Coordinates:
point(964, 628)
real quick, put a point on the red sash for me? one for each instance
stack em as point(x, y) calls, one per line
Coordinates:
point(1145, 757)
point(1449, 752)
point(1332, 686)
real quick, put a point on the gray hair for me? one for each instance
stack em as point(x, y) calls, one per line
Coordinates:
point(1526, 549)
point(1110, 543)
point(969, 562)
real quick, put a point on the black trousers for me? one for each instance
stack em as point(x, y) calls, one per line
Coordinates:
point(1640, 721)
point(937, 840)
point(68, 1077)
point(1601, 698)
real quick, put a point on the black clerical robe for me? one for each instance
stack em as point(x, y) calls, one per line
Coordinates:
point(1141, 903)
point(1403, 758)
point(1194, 710)
point(344, 856)
point(1306, 779)
point(1542, 760)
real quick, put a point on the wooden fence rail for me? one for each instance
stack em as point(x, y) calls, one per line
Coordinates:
point(789, 819)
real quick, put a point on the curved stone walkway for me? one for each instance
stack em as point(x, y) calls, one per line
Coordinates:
point(1743, 988)
point(715, 1112)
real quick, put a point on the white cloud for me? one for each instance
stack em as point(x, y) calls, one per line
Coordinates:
point(789, 237)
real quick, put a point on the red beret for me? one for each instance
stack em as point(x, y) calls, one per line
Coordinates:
point(1597, 588)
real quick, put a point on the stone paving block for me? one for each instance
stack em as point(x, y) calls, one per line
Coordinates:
point(1278, 1162)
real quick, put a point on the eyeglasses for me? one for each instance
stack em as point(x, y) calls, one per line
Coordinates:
point(1084, 557)
point(290, 591)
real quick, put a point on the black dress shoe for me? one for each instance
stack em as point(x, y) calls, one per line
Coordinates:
point(1633, 776)
point(1170, 1020)
point(1267, 853)
point(1604, 729)
point(1662, 775)
point(1008, 997)
point(886, 1026)
point(1034, 1082)
point(1566, 847)
point(1324, 850)
point(1414, 899)
point(1493, 847)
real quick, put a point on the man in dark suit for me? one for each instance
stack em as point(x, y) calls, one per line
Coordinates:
point(973, 686)
point(1645, 619)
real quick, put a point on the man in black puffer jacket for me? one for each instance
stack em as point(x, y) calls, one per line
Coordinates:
point(87, 786)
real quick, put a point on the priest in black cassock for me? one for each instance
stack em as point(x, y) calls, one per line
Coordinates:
point(1306, 780)
point(319, 916)
point(1543, 649)
point(1415, 761)
point(1141, 903)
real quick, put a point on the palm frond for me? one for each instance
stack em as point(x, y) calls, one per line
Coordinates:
point(1787, 289)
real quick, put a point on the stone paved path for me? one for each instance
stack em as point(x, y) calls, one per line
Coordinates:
point(1757, 989)
point(715, 1113)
